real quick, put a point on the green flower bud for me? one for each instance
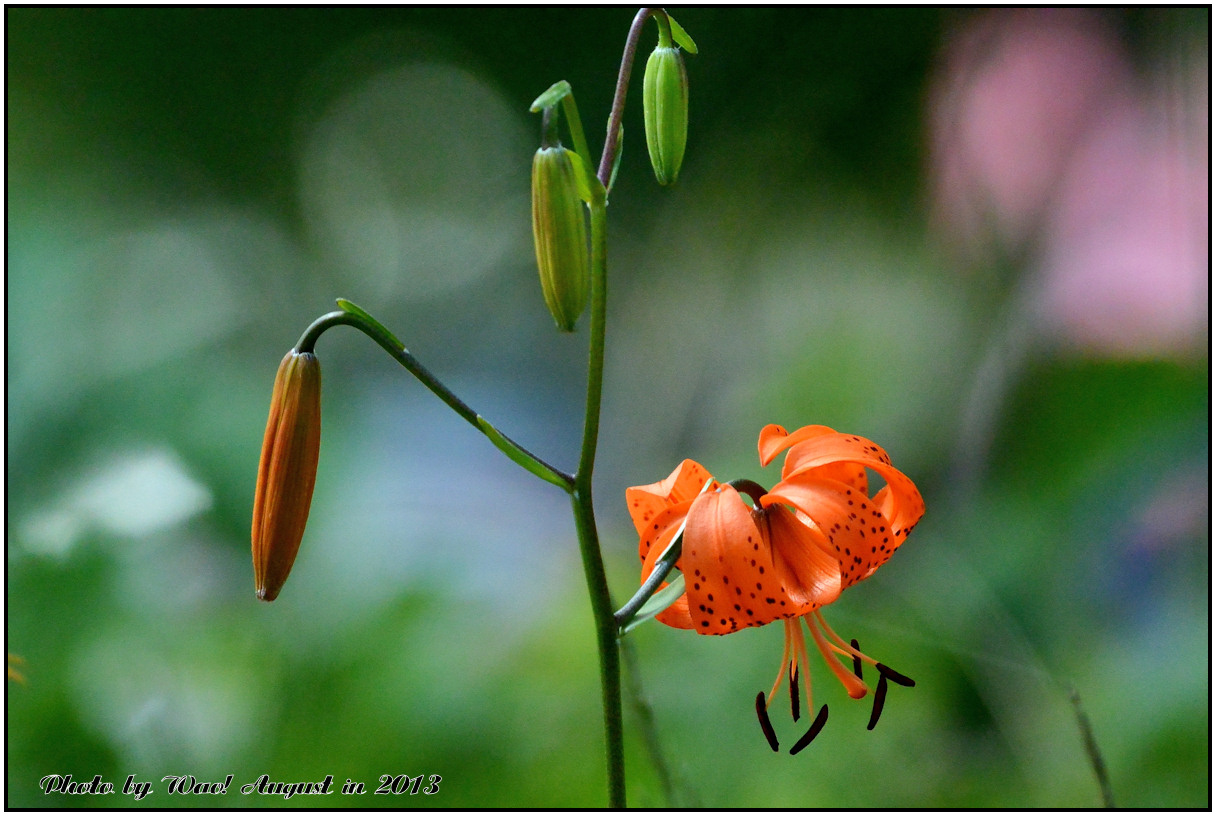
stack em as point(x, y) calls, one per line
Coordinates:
point(559, 230)
point(665, 104)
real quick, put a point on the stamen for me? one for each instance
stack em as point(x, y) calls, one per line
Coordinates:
point(894, 676)
point(840, 646)
point(816, 727)
point(794, 695)
point(854, 686)
point(765, 724)
point(804, 666)
point(785, 659)
point(880, 696)
point(856, 658)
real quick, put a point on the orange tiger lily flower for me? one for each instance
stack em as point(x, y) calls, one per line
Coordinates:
point(793, 550)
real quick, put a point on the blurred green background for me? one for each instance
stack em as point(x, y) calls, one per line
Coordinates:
point(187, 189)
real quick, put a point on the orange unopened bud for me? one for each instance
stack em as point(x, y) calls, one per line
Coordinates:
point(287, 471)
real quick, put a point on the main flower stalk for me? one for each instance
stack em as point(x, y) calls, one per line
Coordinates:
point(584, 515)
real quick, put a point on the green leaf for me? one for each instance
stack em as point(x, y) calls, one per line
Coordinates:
point(557, 91)
point(620, 149)
point(681, 36)
point(659, 601)
point(521, 457)
point(350, 308)
point(582, 176)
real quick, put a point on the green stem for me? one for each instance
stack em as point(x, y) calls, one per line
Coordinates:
point(660, 572)
point(660, 17)
point(584, 512)
point(584, 516)
point(612, 142)
point(352, 315)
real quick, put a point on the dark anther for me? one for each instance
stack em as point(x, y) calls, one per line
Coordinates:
point(856, 659)
point(880, 696)
point(894, 676)
point(816, 727)
point(765, 725)
point(794, 695)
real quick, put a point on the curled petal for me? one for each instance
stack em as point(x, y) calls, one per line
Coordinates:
point(647, 501)
point(658, 533)
point(822, 455)
point(728, 567)
point(675, 615)
point(774, 439)
point(902, 504)
point(848, 473)
point(804, 561)
point(856, 529)
point(825, 449)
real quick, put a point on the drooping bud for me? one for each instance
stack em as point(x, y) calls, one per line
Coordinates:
point(665, 105)
point(287, 471)
point(559, 229)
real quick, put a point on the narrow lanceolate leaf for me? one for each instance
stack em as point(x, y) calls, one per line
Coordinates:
point(556, 92)
point(287, 471)
point(582, 176)
point(620, 151)
point(681, 36)
point(351, 308)
point(521, 457)
point(659, 601)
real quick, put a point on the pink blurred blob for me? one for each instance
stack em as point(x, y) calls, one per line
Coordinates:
point(1124, 268)
point(1017, 90)
point(1050, 153)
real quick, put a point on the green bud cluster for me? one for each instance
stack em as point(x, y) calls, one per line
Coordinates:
point(559, 230)
point(665, 106)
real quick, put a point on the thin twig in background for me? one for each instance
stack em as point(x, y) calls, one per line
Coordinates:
point(1091, 748)
point(675, 792)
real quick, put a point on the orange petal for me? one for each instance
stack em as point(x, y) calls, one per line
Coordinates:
point(803, 558)
point(825, 449)
point(728, 567)
point(849, 473)
point(647, 501)
point(659, 532)
point(774, 439)
point(651, 545)
point(675, 615)
point(902, 503)
point(856, 528)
